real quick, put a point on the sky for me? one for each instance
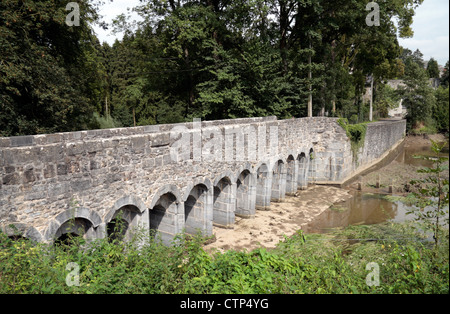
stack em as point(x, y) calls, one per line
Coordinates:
point(431, 34)
point(431, 27)
point(111, 10)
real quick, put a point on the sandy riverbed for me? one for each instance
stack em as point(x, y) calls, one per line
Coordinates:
point(268, 228)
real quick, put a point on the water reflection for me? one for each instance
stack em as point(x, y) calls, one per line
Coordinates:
point(408, 153)
point(361, 209)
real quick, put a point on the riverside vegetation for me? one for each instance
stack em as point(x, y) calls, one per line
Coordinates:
point(331, 263)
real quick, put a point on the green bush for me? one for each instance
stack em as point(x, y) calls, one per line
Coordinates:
point(331, 263)
point(356, 133)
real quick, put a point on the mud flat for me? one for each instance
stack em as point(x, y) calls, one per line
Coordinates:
point(404, 167)
point(283, 219)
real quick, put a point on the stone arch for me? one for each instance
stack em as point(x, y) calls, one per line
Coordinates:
point(78, 222)
point(198, 206)
point(303, 165)
point(263, 186)
point(168, 188)
point(128, 213)
point(291, 175)
point(20, 230)
point(165, 212)
point(278, 181)
point(224, 202)
point(245, 193)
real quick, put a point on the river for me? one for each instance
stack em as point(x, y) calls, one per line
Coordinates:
point(370, 206)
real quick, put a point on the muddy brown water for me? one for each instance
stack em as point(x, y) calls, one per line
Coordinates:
point(371, 208)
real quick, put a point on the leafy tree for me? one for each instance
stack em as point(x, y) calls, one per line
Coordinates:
point(211, 59)
point(441, 110)
point(444, 78)
point(433, 69)
point(386, 99)
point(418, 95)
point(46, 67)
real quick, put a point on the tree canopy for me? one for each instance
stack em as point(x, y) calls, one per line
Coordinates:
point(209, 59)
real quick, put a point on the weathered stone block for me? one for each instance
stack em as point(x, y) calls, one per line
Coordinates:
point(49, 171)
point(80, 186)
point(11, 179)
point(61, 169)
point(19, 141)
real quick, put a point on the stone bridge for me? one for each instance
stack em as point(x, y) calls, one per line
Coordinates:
point(172, 178)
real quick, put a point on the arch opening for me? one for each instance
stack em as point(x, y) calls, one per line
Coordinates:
point(123, 222)
point(278, 182)
point(263, 188)
point(163, 218)
point(244, 206)
point(73, 228)
point(223, 205)
point(195, 210)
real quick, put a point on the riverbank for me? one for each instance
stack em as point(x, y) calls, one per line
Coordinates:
point(403, 168)
point(268, 228)
point(308, 209)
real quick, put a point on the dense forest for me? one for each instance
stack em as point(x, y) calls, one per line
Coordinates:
point(209, 59)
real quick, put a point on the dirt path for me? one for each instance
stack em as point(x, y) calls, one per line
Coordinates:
point(269, 227)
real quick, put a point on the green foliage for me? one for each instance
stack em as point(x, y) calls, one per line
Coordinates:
point(418, 95)
point(444, 77)
point(432, 200)
point(441, 110)
point(205, 59)
point(386, 99)
point(48, 71)
point(332, 263)
point(356, 133)
point(433, 69)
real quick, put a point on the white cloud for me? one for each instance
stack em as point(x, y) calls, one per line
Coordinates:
point(431, 31)
point(111, 10)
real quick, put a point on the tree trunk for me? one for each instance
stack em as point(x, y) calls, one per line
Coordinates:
point(371, 101)
point(284, 24)
point(191, 80)
point(310, 100)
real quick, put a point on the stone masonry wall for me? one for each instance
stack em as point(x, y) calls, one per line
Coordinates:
point(47, 179)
